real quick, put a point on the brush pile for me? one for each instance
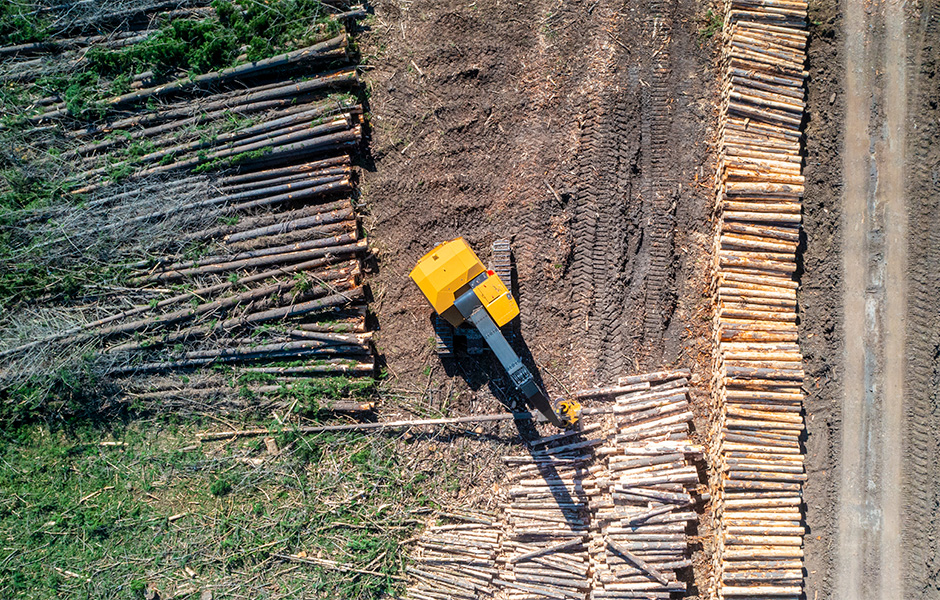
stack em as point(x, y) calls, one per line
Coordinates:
point(758, 424)
point(214, 208)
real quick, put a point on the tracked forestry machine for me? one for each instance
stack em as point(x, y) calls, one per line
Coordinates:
point(464, 292)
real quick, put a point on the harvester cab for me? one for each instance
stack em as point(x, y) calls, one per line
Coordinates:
point(461, 290)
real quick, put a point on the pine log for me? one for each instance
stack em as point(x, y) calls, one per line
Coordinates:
point(323, 218)
point(317, 298)
point(247, 179)
point(547, 550)
point(656, 376)
point(338, 240)
point(248, 223)
point(344, 366)
point(771, 281)
point(235, 356)
point(612, 391)
point(314, 52)
point(340, 169)
point(290, 147)
point(288, 257)
point(761, 502)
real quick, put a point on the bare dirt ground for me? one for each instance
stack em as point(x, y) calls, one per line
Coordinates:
point(543, 123)
point(582, 132)
point(870, 303)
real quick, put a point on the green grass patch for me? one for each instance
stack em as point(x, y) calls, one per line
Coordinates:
point(78, 519)
point(713, 22)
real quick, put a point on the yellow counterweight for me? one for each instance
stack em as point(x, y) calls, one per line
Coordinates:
point(445, 273)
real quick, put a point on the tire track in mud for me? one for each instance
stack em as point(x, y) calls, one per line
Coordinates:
point(594, 255)
point(659, 202)
point(600, 224)
point(622, 258)
point(584, 227)
point(920, 535)
point(605, 322)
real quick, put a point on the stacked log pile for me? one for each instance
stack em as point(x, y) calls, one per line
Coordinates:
point(600, 512)
point(648, 487)
point(253, 163)
point(545, 549)
point(758, 397)
point(456, 560)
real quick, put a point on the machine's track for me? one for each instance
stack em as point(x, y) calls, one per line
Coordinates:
point(501, 263)
point(443, 337)
point(624, 213)
point(659, 198)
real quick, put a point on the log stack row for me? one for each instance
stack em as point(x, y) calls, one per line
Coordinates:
point(758, 399)
point(253, 168)
point(547, 521)
point(456, 560)
point(648, 483)
point(597, 512)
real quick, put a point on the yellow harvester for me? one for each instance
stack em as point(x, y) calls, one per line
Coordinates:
point(461, 289)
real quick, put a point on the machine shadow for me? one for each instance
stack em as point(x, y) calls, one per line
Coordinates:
point(482, 369)
point(572, 507)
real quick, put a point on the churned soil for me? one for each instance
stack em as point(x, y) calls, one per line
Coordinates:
point(580, 131)
point(534, 122)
